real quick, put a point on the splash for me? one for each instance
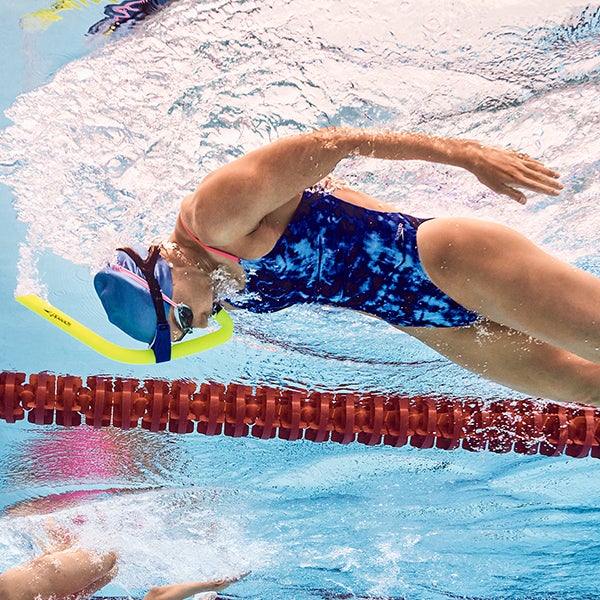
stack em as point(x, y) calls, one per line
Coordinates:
point(102, 154)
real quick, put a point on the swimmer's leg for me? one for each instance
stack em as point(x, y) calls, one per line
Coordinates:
point(66, 574)
point(498, 273)
point(516, 360)
point(107, 575)
point(59, 537)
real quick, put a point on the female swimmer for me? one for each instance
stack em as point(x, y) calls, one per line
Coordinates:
point(478, 292)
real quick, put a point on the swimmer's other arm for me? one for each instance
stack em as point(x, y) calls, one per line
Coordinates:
point(230, 202)
point(180, 591)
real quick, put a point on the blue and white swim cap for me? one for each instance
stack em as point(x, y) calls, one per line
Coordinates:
point(125, 294)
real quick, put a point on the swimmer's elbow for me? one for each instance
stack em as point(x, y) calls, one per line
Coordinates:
point(342, 141)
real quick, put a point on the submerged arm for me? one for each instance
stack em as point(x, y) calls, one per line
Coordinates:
point(231, 201)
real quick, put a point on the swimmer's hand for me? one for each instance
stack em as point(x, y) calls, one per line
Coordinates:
point(504, 171)
point(221, 584)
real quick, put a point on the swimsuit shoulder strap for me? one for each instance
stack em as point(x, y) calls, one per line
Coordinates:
point(205, 246)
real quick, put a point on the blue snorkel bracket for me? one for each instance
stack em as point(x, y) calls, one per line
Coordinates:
point(161, 344)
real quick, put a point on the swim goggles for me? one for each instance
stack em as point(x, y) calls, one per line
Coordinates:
point(184, 317)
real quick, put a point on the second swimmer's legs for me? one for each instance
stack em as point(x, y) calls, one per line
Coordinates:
point(498, 273)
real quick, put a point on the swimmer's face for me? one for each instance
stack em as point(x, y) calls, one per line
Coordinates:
point(191, 286)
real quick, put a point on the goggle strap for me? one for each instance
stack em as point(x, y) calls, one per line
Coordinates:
point(161, 345)
point(147, 268)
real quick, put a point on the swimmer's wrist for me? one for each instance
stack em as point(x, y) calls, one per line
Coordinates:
point(465, 154)
point(457, 152)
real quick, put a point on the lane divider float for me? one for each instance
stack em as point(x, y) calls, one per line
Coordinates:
point(265, 412)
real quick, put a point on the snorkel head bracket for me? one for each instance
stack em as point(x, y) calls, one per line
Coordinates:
point(161, 343)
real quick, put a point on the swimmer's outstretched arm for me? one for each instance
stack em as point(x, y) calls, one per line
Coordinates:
point(180, 591)
point(231, 202)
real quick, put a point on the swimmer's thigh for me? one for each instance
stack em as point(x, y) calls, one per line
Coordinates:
point(71, 571)
point(514, 359)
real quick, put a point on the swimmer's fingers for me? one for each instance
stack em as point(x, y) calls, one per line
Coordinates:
point(221, 584)
point(503, 171)
point(551, 187)
point(235, 578)
point(535, 175)
point(511, 193)
point(539, 167)
point(238, 577)
point(537, 178)
point(510, 189)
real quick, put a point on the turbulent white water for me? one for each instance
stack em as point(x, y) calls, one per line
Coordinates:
point(104, 152)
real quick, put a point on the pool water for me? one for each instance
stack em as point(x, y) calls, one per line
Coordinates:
point(102, 137)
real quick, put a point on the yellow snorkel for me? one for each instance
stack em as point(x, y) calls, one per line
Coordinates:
point(120, 353)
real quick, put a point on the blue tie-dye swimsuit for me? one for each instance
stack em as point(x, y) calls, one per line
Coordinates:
point(339, 254)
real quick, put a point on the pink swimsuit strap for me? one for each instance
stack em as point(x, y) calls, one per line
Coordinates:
point(204, 246)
